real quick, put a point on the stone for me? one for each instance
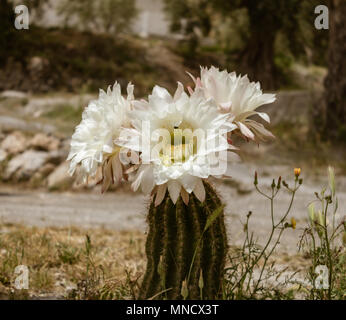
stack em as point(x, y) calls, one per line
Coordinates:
point(47, 169)
point(3, 155)
point(13, 94)
point(42, 141)
point(57, 156)
point(37, 180)
point(37, 64)
point(14, 143)
point(8, 124)
point(24, 165)
point(60, 178)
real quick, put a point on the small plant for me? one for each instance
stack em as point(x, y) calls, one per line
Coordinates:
point(67, 253)
point(94, 285)
point(87, 287)
point(41, 279)
point(323, 242)
point(249, 273)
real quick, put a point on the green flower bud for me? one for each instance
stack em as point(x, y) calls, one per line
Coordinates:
point(273, 184)
point(256, 180)
point(311, 210)
point(331, 180)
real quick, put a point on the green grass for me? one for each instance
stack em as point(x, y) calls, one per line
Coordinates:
point(65, 112)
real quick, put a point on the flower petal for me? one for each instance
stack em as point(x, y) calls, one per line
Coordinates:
point(245, 131)
point(199, 190)
point(174, 190)
point(185, 196)
point(160, 194)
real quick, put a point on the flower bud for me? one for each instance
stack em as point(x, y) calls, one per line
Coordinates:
point(200, 281)
point(256, 180)
point(184, 290)
point(331, 180)
point(279, 183)
point(297, 172)
point(311, 209)
point(321, 218)
point(293, 223)
point(328, 199)
point(273, 184)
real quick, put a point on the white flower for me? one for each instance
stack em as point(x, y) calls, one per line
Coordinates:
point(170, 158)
point(92, 144)
point(238, 97)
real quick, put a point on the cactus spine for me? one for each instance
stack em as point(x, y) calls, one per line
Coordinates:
point(176, 238)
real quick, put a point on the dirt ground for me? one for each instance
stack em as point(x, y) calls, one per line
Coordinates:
point(123, 210)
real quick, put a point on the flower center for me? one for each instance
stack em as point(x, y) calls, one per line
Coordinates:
point(179, 149)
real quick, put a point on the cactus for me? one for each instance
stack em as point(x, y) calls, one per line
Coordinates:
point(186, 249)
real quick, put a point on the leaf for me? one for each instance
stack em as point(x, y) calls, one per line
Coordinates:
point(213, 217)
point(311, 209)
point(336, 205)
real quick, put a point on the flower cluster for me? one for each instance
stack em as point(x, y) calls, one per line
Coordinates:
point(168, 142)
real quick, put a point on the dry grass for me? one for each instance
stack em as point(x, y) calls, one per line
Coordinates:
point(75, 263)
point(71, 263)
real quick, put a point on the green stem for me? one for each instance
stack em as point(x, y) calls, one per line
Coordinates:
point(330, 263)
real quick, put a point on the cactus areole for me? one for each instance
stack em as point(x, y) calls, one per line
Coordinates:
point(186, 249)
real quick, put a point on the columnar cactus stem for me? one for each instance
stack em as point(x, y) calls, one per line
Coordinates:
point(180, 249)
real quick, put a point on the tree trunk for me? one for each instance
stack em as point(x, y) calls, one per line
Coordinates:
point(334, 126)
point(6, 30)
point(257, 59)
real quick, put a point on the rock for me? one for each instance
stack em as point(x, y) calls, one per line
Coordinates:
point(60, 178)
point(57, 156)
point(37, 180)
point(47, 169)
point(3, 155)
point(42, 141)
point(9, 124)
point(291, 106)
point(37, 64)
point(14, 143)
point(24, 165)
point(40, 105)
point(13, 94)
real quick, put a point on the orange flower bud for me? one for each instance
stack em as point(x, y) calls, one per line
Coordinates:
point(297, 172)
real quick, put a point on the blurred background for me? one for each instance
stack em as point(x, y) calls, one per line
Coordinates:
point(50, 71)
